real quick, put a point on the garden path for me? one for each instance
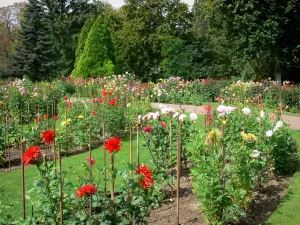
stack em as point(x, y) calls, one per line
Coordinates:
point(293, 120)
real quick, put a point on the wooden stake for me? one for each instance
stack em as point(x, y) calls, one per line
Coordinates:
point(178, 169)
point(170, 139)
point(90, 167)
point(23, 171)
point(112, 181)
point(104, 152)
point(60, 187)
point(137, 142)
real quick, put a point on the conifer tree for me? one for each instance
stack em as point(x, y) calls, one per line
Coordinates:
point(97, 58)
point(35, 55)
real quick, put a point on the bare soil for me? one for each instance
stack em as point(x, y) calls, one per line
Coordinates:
point(262, 206)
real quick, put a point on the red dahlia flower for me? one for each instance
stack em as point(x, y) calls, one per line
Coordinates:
point(55, 117)
point(91, 160)
point(45, 116)
point(163, 124)
point(66, 98)
point(112, 144)
point(147, 129)
point(48, 136)
point(31, 155)
point(208, 107)
point(94, 113)
point(113, 101)
point(146, 180)
point(88, 189)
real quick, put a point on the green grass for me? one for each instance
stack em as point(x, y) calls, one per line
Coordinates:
point(10, 183)
point(287, 212)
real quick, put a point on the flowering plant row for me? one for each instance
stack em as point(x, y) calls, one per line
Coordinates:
point(238, 152)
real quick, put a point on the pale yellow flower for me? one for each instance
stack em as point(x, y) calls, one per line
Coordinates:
point(80, 117)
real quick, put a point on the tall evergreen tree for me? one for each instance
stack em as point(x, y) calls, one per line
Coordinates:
point(97, 58)
point(67, 19)
point(35, 56)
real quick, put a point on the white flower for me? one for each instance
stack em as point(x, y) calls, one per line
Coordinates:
point(262, 114)
point(225, 110)
point(167, 110)
point(175, 114)
point(269, 133)
point(182, 117)
point(221, 109)
point(139, 119)
point(193, 116)
point(279, 124)
point(255, 154)
point(246, 111)
point(155, 115)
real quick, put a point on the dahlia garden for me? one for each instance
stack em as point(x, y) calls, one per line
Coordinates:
point(134, 155)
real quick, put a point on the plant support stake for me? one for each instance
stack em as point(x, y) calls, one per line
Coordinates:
point(178, 169)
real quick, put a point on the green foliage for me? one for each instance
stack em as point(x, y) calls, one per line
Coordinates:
point(83, 37)
point(138, 43)
point(97, 58)
point(35, 55)
point(254, 38)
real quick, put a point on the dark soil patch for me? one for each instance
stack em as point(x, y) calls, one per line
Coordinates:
point(265, 201)
point(262, 206)
point(15, 157)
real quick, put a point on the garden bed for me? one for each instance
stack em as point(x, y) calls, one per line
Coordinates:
point(262, 206)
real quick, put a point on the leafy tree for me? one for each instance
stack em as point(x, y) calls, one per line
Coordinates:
point(139, 42)
point(9, 25)
point(35, 55)
point(97, 58)
point(255, 38)
point(185, 59)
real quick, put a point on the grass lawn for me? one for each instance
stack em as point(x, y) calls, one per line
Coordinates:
point(288, 210)
point(10, 183)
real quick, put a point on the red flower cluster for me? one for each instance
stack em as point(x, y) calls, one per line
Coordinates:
point(66, 98)
point(113, 101)
point(48, 136)
point(146, 173)
point(91, 160)
point(94, 113)
point(88, 189)
point(163, 124)
point(45, 116)
point(147, 129)
point(112, 144)
point(55, 117)
point(106, 93)
point(31, 155)
point(208, 107)
point(38, 119)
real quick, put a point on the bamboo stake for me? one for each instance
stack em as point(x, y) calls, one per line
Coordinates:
point(60, 187)
point(178, 169)
point(104, 156)
point(6, 138)
point(90, 167)
point(112, 182)
point(170, 139)
point(137, 142)
point(23, 172)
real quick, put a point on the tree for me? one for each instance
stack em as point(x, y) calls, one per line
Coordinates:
point(82, 38)
point(138, 43)
point(9, 25)
point(255, 38)
point(67, 19)
point(35, 55)
point(97, 58)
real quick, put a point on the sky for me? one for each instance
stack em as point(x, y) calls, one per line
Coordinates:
point(115, 3)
